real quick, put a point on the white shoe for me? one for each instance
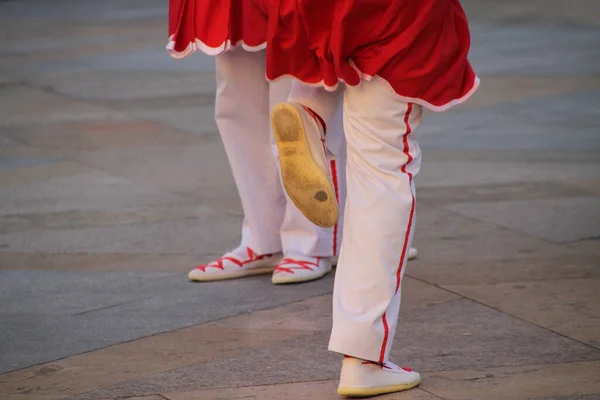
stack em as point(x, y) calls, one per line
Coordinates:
point(301, 269)
point(235, 264)
point(300, 137)
point(360, 378)
point(412, 254)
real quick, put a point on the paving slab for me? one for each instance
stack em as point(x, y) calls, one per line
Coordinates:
point(535, 382)
point(32, 173)
point(96, 135)
point(570, 307)
point(130, 85)
point(556, 220)
point(82, 10)
point(92, 370)
point(590, 246)
point(201, 171)
point(463, 334)
point(450, 335)
point(167, 263)
point(94, 190)
point(442, 196)
point(198, 120)
point(83, 311)
point(325, 390)
point(80, 219)
point(531, 49)
point(535, 124)
point(315, 314)
point(577, 12)
point(501, 89)
point(512, 268)
point(16, 101)
point(468, 173)
point(52, 261)
point(453, 236)
point(546, 156)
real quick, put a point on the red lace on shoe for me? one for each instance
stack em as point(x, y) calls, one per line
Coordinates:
point(291, 265)
point(320, 121)
point(318, 118)
point(252, 256)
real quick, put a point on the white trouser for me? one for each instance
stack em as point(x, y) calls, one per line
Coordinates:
point(272, 223)
point(383, 158)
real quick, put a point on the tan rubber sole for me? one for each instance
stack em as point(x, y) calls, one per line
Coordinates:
point(305, 182)
point(230, 275)
point(368, 392)
point(290, 279)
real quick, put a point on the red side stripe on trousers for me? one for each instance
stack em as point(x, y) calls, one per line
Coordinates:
point(406, 151)
point(334, 178)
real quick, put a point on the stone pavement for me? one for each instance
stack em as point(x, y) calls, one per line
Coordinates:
point(113, 183)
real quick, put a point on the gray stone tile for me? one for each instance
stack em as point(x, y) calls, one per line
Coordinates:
point(197, 120)
point(7, 141)
point(52, 261)
point(591, 246)
point(536, 124)
point(16, 103)
point(153, 58)
point(54, 314)
point(19, 162)
point(466, 173)
point(322, 390)
point(110, 9)
point(240, 370)
point(445, 336)
point(36, 173)
point(446, 237)
point(513, 267)
point(577, 12)
point(570, 307)
point(144, 263)
point(462, 334)
point(316, 314)
point(129, 85)
point(499, 90)
point(546, 156)
point(84, 191)
point(200, 172)
point(556, 220)
point(80, 219)
point(532, 382)
point(214, 233)
point(98, 135)
point(439, 196)
point(574, 397)
point(527, 48)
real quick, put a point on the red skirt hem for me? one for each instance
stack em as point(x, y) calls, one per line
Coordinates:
point(198, 45)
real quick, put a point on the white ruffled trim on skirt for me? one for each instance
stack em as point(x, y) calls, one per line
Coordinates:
point(197, 44)
point(421, 102)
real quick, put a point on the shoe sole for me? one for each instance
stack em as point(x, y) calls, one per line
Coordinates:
point(412, 253)
point(230, 275)
point(368, 392)
point(308, 186)
point(298, 279)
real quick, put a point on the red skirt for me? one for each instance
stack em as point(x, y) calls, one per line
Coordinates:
point(418, 48)
point(214, 26)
